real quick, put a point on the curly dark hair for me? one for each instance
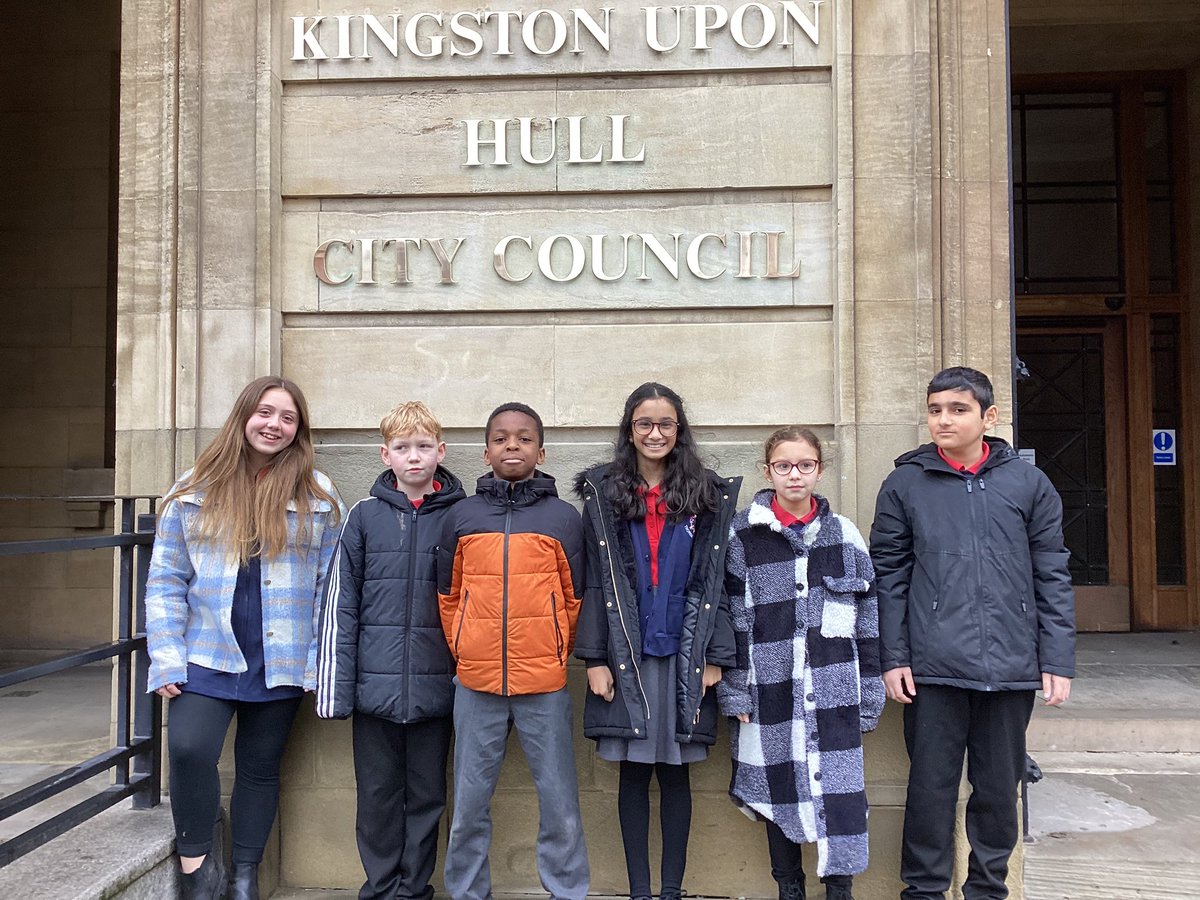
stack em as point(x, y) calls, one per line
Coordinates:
point(686, 487)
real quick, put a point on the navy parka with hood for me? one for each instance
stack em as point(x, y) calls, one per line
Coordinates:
point(609, 630)
point(381, 647)
point(974, 590)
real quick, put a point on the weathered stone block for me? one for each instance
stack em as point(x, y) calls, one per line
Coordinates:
point(351, 375)
point(885, 238)
point(671, 353)
point(884, 29)
point(744, 124)
point(228, 117)
point(319, 850)
point(884, 144)
point(36, 438)
point(614, 267)
point(629, 49)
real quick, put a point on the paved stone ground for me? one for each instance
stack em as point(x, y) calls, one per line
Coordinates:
point(1117, 816)
point(48, 724)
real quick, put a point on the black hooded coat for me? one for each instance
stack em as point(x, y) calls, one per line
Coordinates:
point(974, 589)
point(609, 630)
point(381, 649)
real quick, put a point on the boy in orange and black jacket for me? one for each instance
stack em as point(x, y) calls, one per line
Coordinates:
point(510, 572)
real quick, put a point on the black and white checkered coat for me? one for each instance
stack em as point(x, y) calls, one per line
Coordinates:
point(806, 623)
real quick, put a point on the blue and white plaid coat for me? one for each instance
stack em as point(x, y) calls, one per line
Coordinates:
point(806, 623)
point(189, 598)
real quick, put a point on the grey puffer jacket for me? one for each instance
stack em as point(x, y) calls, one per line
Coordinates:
point(972, 576)
point(381, 649)
point(609, 631)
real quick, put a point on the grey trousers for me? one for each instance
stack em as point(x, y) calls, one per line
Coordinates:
point(543, 723)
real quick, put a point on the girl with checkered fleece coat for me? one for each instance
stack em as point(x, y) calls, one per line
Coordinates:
point(806, 627)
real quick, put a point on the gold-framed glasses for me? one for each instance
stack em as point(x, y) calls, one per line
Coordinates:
point(666, 427)
point(805, 466)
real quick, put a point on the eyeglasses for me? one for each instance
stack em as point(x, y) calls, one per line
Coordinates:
point(806, 466)
point(666, 427)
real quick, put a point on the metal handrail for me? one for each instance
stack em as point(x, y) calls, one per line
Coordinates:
point(136, 757)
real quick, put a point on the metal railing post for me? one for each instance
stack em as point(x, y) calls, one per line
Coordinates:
point(128, 506)
point(147, 708)
point(136, 756)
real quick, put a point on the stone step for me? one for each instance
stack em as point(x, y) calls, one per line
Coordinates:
point(121, 853)
point(1100, 763)
point(1084, 879)
point(1115, 730)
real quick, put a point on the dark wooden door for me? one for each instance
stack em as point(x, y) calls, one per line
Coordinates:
point(1072, 417)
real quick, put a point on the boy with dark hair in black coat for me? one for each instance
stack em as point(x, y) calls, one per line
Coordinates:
point(382, 655)
point(976, 613)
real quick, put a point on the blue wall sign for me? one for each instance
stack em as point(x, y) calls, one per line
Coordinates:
point(1164, 446)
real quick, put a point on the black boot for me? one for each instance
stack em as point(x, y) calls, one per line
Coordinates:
point(792, 889)
point(206, 883)
point(839, 890)
point(244, 884)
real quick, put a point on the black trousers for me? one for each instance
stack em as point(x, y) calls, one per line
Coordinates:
point(940, 725)
point(196, 728)
point(401, 776)
point(787, 863)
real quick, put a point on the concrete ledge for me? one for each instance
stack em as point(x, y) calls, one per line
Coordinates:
point(1115, 730)
point(1095, 763)
point(121, 853)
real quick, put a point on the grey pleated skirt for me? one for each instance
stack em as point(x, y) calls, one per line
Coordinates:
point(660, 746)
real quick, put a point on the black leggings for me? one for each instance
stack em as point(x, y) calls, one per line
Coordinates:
point(786, 863)
point(675, 818)
point(196, 730)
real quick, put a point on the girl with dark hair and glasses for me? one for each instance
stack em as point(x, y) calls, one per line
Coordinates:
point(654, 627)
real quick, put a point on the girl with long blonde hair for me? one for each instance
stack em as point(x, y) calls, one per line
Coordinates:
point(236, 578)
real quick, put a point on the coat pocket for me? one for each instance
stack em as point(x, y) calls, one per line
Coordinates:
point(839, 605)
point(559, 644)
point(462, 617)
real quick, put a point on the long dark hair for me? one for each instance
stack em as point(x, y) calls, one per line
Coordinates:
point(686, 488)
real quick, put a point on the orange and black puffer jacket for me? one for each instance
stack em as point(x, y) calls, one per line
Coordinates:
point(510, 572)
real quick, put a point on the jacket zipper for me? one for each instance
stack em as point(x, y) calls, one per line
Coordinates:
point(975, 551)
point(637, 672)
point(558, 641)
point(462, 617)
point(412, 571)
point(504, 603)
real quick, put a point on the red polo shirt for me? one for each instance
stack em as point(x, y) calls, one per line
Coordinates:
point(787, 520)
point(656, 518)
point(971, 470)
point(437, 486)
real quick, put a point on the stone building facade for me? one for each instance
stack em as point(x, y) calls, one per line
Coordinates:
point(788, 211)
